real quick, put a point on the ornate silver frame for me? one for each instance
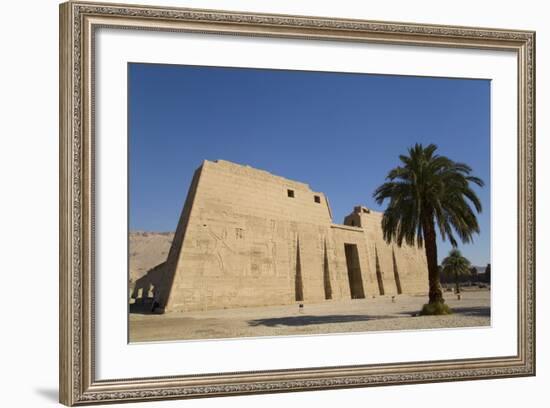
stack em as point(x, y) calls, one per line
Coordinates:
point(78, 21)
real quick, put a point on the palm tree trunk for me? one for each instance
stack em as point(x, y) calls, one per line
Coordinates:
point(456, 283)
point(428, 228)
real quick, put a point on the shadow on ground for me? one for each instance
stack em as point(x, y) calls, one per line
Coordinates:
point(480, 311)
point(310, 320)
point(472, 311)
point(144, 309)
point(329, 319)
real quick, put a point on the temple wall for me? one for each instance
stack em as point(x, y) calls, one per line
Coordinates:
point(410, 264)
point(250, 238)
point(345, 235)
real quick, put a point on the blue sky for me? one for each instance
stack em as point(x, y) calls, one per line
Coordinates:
point(340, 133)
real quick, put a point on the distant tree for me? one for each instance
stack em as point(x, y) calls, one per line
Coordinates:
point(427, 194)
point(473, 274)
point(488, 273)
point(442, 278)
point(455, 266)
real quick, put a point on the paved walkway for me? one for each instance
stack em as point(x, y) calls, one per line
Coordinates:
point(374, 314)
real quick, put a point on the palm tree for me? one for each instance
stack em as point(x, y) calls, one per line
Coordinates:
point(425, 191)
point(455, 265)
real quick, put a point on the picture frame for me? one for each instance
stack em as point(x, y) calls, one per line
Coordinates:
point(79, 22)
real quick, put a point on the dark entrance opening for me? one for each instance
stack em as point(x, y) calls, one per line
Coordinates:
point(354, 272)
point(379, 273)
point(396, 274)
point(326, 276)
point(298, 284)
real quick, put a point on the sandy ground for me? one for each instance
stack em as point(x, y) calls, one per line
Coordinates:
point(329, 317)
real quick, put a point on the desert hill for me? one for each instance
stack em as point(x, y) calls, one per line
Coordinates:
point(147, 250)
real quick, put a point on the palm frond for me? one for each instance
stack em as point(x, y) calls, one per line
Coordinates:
point(428, 186)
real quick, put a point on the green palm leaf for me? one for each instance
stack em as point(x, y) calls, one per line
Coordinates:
point(428, 193)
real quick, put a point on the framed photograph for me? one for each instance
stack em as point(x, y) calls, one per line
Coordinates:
point(255, 203)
